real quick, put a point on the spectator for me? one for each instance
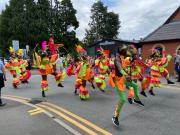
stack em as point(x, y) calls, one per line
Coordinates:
point(2, 79)
point(177, 64)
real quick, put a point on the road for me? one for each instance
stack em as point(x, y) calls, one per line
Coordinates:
point(63, 113)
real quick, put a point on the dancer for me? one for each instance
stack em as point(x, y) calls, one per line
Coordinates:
point(121, 79)
point(23, 64)
point(47, 64)
point(13, 66)
point(154, 61)
point(133, 70)
point(102, 64)
point(165, 59)
point(82, 74)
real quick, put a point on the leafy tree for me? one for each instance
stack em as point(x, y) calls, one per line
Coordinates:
point(42, 21)
point(31, 21)
point(5, 32)
point(103, 24)
point(65, 24)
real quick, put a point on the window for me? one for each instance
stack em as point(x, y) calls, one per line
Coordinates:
point(159, 47)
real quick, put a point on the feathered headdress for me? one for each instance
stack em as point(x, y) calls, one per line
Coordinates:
point(20, 52)
point(100, 51)
point(44, 45)
point(155, 53)
point(11, 50)
point(132, 51)
point(80, 50)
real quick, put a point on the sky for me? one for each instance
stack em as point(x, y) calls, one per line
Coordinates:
point(138, 17)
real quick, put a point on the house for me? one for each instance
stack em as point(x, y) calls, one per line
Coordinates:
point(166, 38)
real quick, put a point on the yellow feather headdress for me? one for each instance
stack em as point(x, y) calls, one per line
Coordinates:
point(20, 52)
point(11, 50)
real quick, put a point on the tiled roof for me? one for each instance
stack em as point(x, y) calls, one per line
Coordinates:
point(168, 31)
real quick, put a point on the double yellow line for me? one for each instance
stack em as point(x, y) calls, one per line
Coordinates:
point(85, 125)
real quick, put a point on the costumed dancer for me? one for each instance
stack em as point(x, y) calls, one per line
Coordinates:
point(165, 59)
point(59, 76)
point(82, 74)
point(102, 64)
point(118, 82)
point(71, 66)
point(13, 66)
point(60, 68)
point(23, 64)
point(47, 65)
point(154, 61)
point(136, 72)
point(120, 79)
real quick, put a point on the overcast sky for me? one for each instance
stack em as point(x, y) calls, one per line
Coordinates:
point(138, 17)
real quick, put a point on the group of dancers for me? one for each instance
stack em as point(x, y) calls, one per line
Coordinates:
point(17, 66)
point(124, 71)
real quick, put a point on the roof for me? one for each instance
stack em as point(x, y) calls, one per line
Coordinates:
point(114, 40)
point(171, 17)
point(170, 31)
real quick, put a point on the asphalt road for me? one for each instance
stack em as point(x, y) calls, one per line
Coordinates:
point(159, 116)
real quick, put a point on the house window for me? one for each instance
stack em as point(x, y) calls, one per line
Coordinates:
point(160, 48)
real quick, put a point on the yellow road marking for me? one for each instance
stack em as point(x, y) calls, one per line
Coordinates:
point(59, 122)
point(84, 121)
point(23, 98)
point(14, 99)
point(37, 112)
point(34, 110)
point(79, 118)
point(87, 130)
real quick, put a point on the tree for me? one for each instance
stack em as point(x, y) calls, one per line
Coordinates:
point(65, 24)
point(103, 24)
point(42, 21)
point(32, 21)
point(4, 29)
point(17, 23)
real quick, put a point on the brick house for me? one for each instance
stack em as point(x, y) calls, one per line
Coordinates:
point(165, 38)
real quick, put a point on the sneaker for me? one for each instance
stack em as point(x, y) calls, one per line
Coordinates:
point(2, 104)
point(15, 86)
point(115, 121)
point(130, 100)
point(151, 92)
point(22, 82)
point(138, 102)
point(170, 82)
point(143, 93)
point(26, 81)
point(60, 85)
